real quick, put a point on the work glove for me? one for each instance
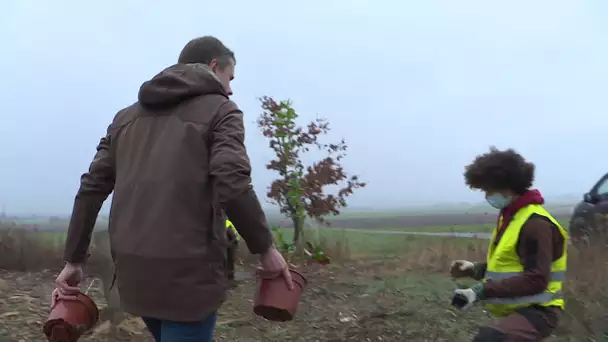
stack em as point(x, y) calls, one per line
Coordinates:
point(462, 268)
point(464, 298)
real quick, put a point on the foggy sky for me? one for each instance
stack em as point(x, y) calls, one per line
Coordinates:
point(417, 88)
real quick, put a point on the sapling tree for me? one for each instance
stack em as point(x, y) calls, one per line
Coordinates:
point(301, 190)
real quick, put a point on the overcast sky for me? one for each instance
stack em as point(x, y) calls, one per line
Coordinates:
point(417, 88)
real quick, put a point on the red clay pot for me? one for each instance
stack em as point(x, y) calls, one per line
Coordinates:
point(274, 301)
point(69, 319)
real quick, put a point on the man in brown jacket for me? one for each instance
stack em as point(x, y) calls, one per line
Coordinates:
point(176, 162)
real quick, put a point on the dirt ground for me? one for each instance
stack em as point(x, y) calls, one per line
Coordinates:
point(364, 301)
point(373, 300)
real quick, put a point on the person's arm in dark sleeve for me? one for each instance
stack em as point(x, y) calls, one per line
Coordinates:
point(230, 172)
point(479, 270)
point(95, 187)
point(535, 250)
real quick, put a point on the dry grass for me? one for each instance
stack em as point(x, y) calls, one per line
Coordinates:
point(587, 295)
point(586, 291)
point(23, 249)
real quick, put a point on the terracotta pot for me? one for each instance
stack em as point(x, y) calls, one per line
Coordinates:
point(69, 319)
point(274, 301)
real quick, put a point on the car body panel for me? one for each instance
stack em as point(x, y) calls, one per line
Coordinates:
point(594, 202)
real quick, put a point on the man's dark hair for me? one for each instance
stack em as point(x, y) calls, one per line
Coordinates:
point(500, 170)
point(204, 50)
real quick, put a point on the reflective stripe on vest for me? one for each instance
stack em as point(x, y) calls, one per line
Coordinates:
point(537, 298)
point(555, 276)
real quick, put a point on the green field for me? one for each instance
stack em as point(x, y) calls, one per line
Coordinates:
point(366, 242)
point(52, 238)
point(457, 228)
point(370, 243)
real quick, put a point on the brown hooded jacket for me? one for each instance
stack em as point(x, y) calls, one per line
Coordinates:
point(176, 162)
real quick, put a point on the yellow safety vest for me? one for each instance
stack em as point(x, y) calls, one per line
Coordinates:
point(503, 262)
point(229, 225)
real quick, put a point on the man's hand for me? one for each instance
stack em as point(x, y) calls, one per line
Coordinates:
point(461, 268)
point(66, 284)
point(274, 265)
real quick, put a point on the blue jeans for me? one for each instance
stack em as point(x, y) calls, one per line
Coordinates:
point(168, 331)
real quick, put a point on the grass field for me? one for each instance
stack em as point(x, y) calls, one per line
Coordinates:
point(379, 287)
point(338, 233)
point(457, 228)
point(393, 220)
point(358, 242)
point(362, 242)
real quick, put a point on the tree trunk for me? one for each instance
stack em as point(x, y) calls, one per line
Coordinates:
point(298, 232)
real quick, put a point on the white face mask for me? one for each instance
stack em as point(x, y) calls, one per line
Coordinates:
point(499, 201)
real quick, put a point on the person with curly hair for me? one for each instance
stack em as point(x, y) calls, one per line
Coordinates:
point(521, 280)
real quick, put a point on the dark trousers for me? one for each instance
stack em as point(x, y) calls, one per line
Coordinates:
point(524, 325)
point(231, 259)
point(168, 331)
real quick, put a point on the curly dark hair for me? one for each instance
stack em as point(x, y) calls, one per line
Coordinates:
point(500, 170)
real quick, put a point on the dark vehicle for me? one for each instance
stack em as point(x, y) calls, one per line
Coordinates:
point(591, 211)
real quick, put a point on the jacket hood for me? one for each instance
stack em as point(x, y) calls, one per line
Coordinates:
point(179, 83)
point(530, 197)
